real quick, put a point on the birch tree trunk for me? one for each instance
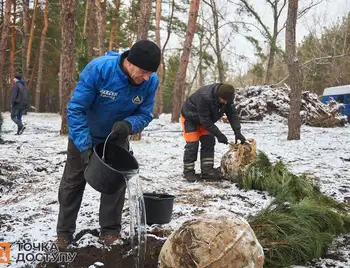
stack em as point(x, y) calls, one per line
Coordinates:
point(179, 86)
point(41, 58)
point(67, 62)
point(294, 121)
point(2, 10)
point(3, 45)
point(31, 36)
point(13, 43)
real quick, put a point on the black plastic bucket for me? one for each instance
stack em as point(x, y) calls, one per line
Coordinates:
point(109, 166)
point(159, 208)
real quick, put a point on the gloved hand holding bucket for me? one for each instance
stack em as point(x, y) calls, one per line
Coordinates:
point(110, 164)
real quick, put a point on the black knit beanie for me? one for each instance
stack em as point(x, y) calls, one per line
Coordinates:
point(145, 54)
point(226, 92)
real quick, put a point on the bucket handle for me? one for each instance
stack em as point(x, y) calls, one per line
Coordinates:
point(104, 146)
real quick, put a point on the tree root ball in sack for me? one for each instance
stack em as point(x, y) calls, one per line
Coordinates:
point(212, 243)
point(236, 159)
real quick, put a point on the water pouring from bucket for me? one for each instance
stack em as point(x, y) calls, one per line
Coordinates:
point(110, 169)
point(138, 230)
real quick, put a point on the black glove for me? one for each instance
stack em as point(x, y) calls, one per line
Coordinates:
point(85, 156)
point(121, 130)
point(239, 136)
point(222, 139)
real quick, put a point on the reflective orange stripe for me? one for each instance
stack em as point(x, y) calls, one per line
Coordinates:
point(193, 136)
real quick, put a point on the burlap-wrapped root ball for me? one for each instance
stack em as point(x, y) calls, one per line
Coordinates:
point(212, 243)
point(236, 159)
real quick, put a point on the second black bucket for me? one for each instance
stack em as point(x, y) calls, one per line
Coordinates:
point(159, 208)
point(108, 167)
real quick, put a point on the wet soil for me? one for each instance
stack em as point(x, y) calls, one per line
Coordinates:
point(117, 256)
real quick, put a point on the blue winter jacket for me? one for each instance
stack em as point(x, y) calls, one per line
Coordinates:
point(103, 95)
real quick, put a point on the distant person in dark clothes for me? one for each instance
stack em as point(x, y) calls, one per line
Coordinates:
point(114, 92)
point(19, 101)
point(198, 116)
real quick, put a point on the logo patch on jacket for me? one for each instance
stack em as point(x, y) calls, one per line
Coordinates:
point(108, 94)
point(137, 99)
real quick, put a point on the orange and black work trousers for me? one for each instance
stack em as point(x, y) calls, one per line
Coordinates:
point(195, 134)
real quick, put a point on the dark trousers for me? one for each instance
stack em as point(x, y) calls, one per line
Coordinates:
point(195, 134)
point(71, 193)
point(16, 114)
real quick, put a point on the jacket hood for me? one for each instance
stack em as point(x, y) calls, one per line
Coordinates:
point(21, 81)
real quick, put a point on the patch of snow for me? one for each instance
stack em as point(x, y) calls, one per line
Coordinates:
point(32, 167)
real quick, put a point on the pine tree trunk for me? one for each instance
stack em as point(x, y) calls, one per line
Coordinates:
point(294, 121)
point(113, 42)
point(1, 121)
point(158, 106)
point(13, 43)
point(145, 15)
point(220, 63)
point(142, 33)
point(31, 36)
point(25, 39)
point(271, 62)
point(3, 45)
point(92, 30)
point(101, 25)
point(200, 66)
point(67, 62)
point(32, 75)
point(41, 58)
point(179, 87)
point(87, 7)
point(273, 47)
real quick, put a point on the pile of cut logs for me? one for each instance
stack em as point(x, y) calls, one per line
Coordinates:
point(254, 103)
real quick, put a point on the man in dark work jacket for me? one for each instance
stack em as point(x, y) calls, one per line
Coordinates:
point(198, 116)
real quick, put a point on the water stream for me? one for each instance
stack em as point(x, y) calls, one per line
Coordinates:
point(137, 211)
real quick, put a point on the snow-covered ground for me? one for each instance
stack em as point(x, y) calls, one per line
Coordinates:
point(31, 168)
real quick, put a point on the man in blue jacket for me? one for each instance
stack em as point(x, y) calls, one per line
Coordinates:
point(114, 92)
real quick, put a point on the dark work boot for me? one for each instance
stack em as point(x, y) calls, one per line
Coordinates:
point(189, 172)
point(21, 130)
point(212, 174)
point(190, 176)
point(19, 127)
point(110, 239)
point(62, 242)
point(208, 170)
